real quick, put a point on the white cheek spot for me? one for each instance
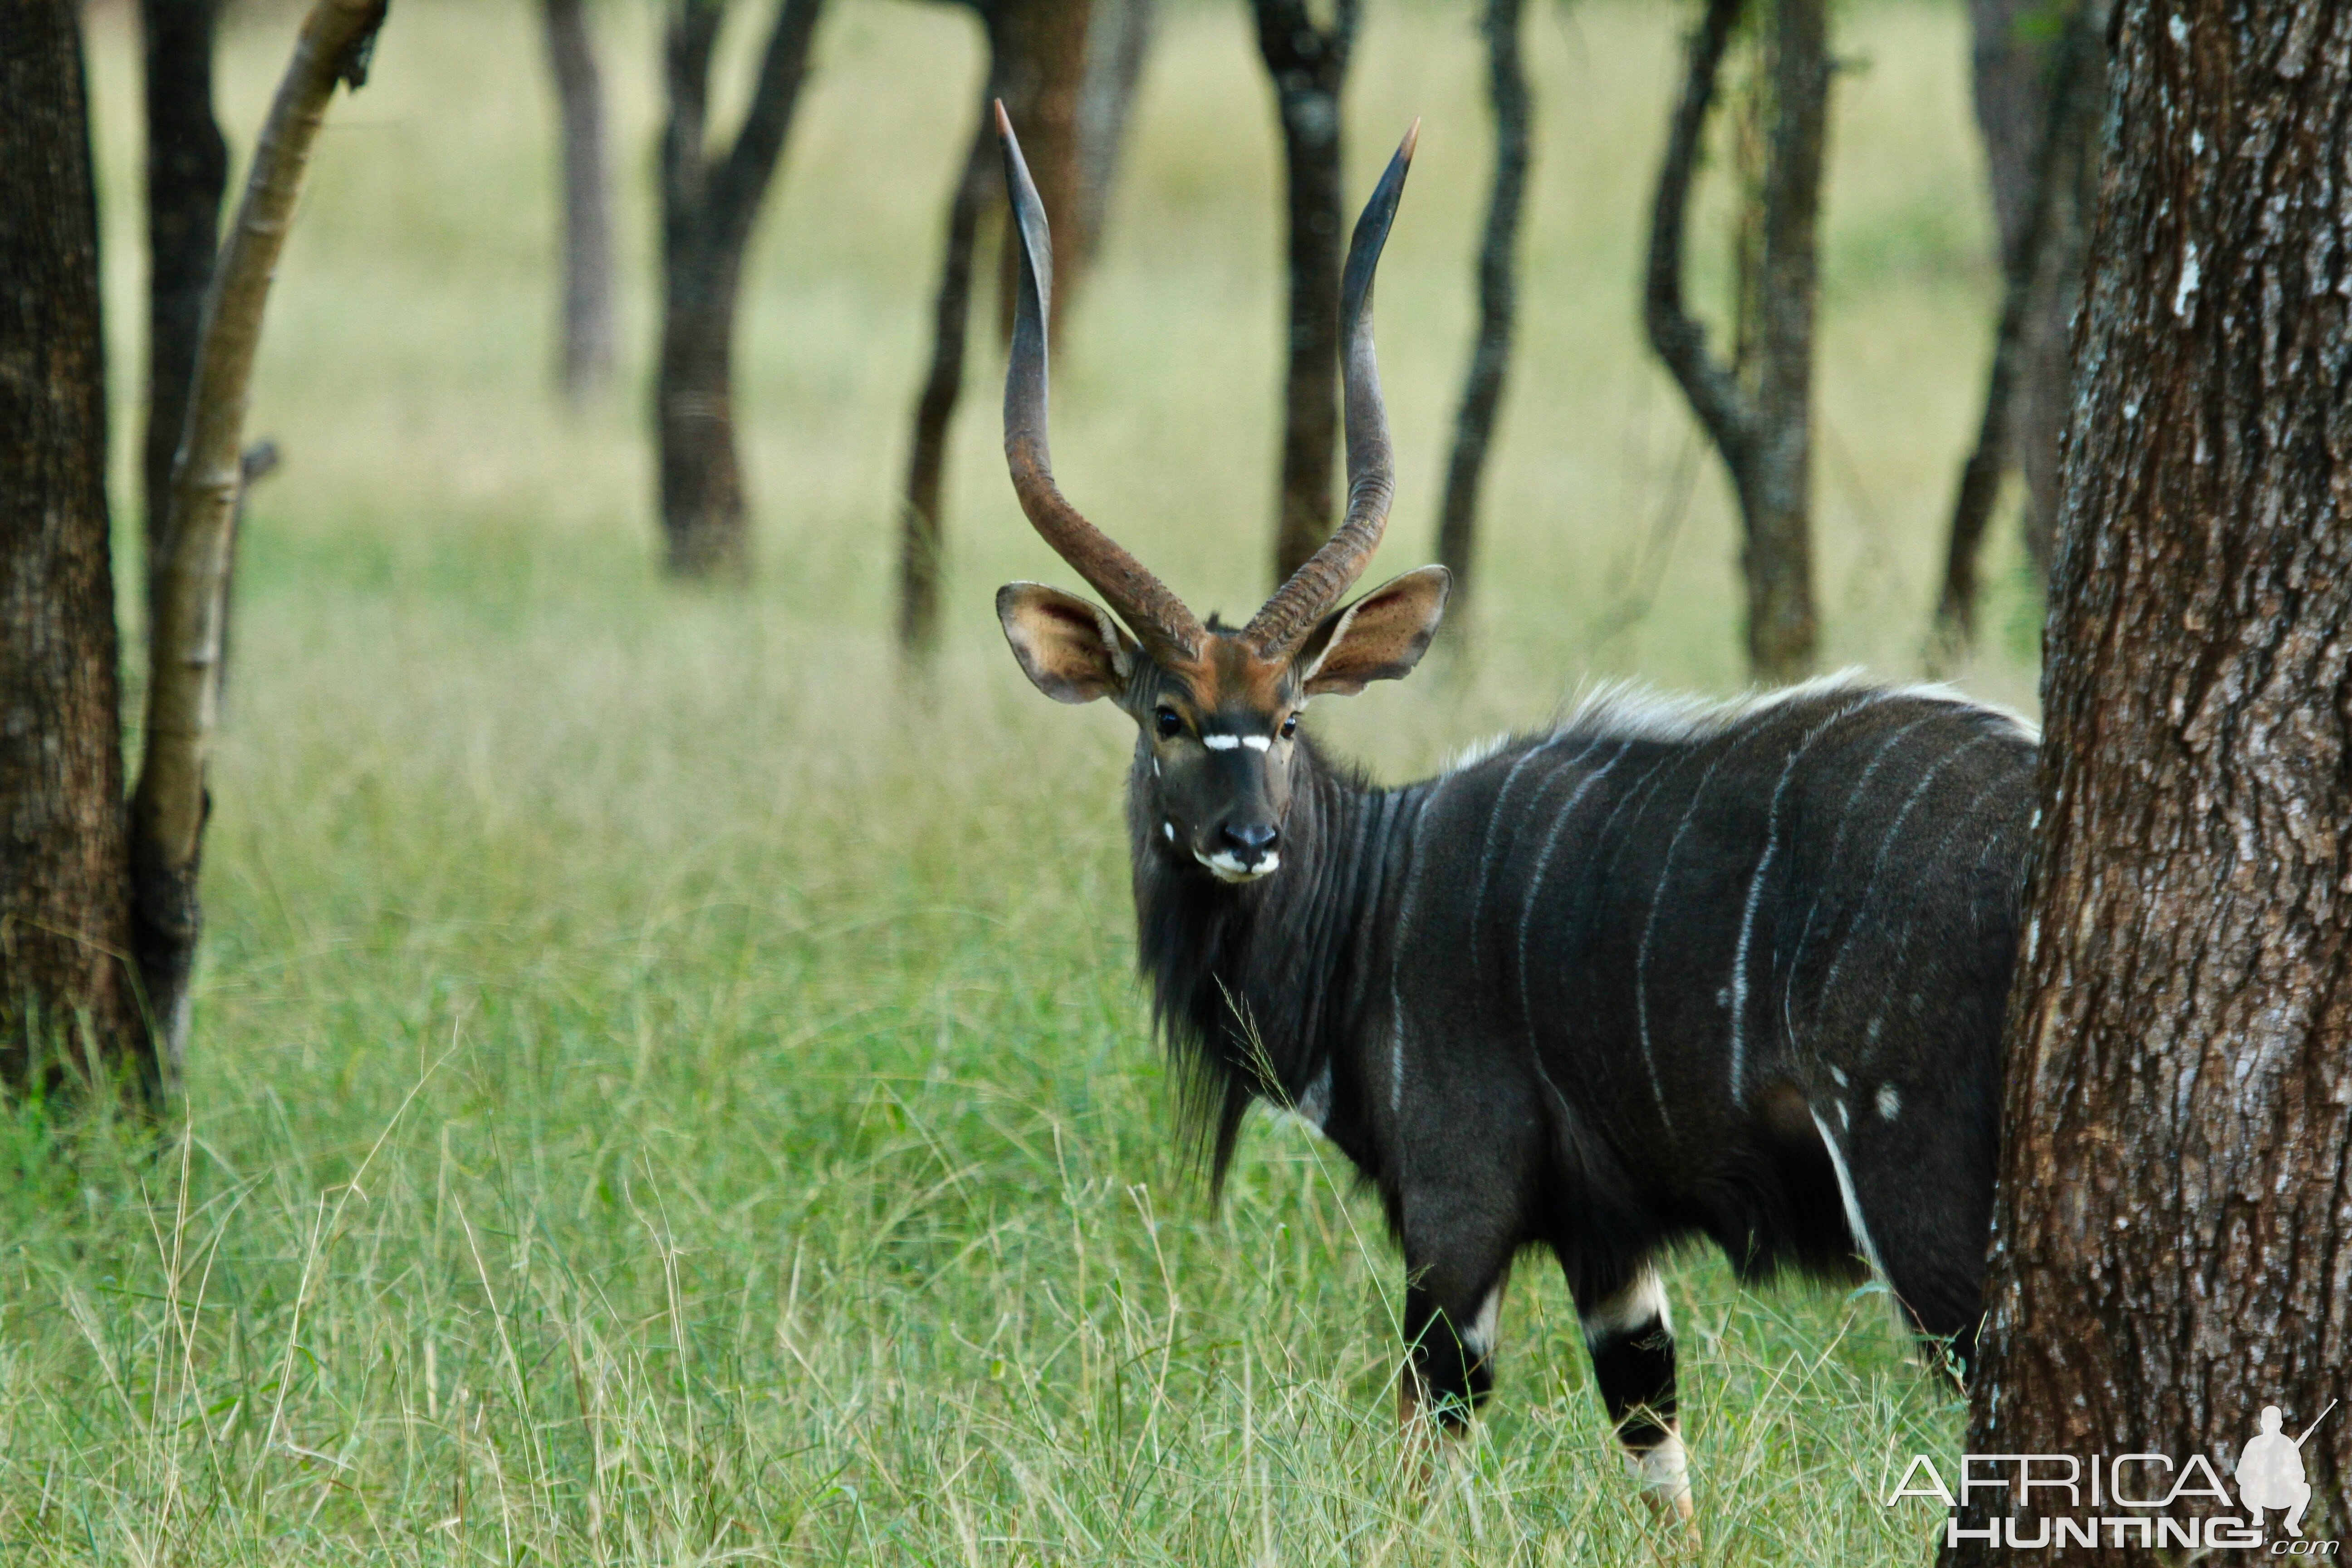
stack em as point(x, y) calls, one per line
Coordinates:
point(1169, 829)
point(1257, 742)
point(1890, 1102)
point(1222, 742)
point(1838, 1075)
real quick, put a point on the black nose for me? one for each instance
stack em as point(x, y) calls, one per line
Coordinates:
point(1251, 840)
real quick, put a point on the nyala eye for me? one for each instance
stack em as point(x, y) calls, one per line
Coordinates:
point(1169, 723)
point(1290, 726)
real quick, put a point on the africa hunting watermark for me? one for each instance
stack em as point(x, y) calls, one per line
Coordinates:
point(2130, 1497)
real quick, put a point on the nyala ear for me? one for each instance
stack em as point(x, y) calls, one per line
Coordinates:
point(1381, 637)
point(1071, 650)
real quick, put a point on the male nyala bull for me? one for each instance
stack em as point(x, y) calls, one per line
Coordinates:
point(1665, 970)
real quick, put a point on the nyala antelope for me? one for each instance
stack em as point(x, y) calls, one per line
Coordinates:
point(1659, 972)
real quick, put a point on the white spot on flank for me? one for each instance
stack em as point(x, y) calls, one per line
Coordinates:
point(1222, 742)
point(1890, 1102)
point(1663, 1471)
point(1844, 1120)
point(1228, 867)
point(1169, 829)
point(1845, 1191)
point(2179, 30)
point(1258, 742)
point(2189, 273)
point(1636, 1307)
point(1838, 1075)
point(2197, 142)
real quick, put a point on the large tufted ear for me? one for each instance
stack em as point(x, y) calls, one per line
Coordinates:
point(1381, 637)
point(1070, 649)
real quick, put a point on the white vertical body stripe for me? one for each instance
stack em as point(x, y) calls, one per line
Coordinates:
point(1847, 1192)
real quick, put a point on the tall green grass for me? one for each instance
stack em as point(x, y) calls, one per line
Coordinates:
point(664, 1091)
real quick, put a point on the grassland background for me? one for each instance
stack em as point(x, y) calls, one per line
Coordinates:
point(664, 1093)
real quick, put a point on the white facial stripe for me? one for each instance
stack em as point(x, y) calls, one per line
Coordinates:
point(1222, 742)
point(1257, 742)
point(1228, 867)
point(1169, 829)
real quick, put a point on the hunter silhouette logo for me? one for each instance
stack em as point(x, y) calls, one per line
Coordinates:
point(2270, 1472)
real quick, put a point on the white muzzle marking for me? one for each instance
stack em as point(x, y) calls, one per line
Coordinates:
point(1228, 868)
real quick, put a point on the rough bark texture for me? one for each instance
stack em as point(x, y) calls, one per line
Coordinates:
point(2077, 76)
point(1067, 71)
point(170, 804)
point(709, 204)
point(585, 365)
point(64, 917)
point(2175, 1223)
point(187, 172)
point(1765, 435)
point(1308, 65)
point(2013, 54)
point(1490, 358)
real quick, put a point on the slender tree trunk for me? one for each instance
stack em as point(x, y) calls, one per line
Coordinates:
point(2025, 263)
point(710, 203)
point(2176, 1197)
point(921, 536)
point(187, 173)
point(65, 915)
point(1308, 65)
point(172, 802)
point(586, 365)
point(1766, 436)
point(2016, 71)
point(1118, 36)
point(1490, 358)
point(1068, 86)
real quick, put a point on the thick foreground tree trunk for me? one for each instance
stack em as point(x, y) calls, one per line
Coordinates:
point(2175, 1219)
point(586, 364)
point(64, 913)
point(708, 206)
point(172, 802)
point(1490, 358)
point(1765, 435)
point(2016, 73)
point(1308, 65)
point(187, 172)
point(1067, 70)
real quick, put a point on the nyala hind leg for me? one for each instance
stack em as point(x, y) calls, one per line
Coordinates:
point(1630, 1335)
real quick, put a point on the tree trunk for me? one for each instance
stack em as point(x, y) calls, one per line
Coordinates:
point(586, 366)
point(1068, 86)
point(2015, 72)
point(921, 537)
point(66, 988)
point(2176, 1198)
point(172, 802)
point(1482, 389)
point(2067, 107)
point(187, 173)
point(1118, 36)
point(708, 206)
point(1765, 437)
point(1308, 65)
